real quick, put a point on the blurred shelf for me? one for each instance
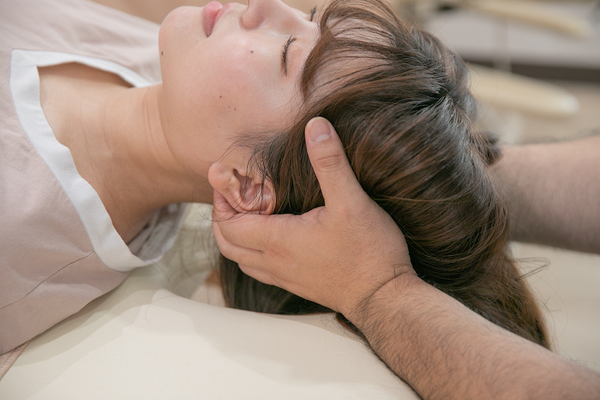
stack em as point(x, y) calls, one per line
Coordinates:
point(529, 49)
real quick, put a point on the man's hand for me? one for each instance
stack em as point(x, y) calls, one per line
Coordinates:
point(350, 256)
point(337, 255)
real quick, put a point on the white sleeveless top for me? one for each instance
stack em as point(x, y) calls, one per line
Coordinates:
point(58, 247)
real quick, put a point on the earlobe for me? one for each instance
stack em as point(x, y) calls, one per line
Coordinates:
point(244, 192)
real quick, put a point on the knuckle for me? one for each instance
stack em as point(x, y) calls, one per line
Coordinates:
point(270, 241)
point(243, 259)
point(331, 162)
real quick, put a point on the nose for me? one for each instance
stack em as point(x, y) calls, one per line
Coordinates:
point(273, 13)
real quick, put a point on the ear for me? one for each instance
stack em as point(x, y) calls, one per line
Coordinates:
point(243, 191)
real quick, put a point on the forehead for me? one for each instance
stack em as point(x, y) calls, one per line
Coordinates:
point(347, 48)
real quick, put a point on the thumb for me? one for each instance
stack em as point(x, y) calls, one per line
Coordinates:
point(326, 152)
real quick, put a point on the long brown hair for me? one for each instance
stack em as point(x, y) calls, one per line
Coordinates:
point(400, 103)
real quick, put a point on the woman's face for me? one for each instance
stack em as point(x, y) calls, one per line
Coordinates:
point(228, 70)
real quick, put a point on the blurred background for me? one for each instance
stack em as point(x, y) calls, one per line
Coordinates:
point(557, 43)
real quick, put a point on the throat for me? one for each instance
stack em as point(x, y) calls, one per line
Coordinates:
point(71, 93)
point(76, 100)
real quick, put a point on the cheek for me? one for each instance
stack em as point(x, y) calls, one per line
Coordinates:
point(244, 86)
point(227, 87)
point(245, 68)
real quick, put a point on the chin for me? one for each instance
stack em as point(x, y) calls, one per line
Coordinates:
point(181, 25)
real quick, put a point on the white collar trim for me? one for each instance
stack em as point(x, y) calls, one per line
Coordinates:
point(24, 85)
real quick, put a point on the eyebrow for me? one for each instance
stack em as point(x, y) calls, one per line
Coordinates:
point(284, 54)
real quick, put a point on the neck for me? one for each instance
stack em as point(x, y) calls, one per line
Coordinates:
point(119, 146)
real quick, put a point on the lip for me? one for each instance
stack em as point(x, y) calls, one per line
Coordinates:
point(222, 11)
point(210, 15)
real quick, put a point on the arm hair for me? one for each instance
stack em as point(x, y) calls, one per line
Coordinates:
point(445, 351)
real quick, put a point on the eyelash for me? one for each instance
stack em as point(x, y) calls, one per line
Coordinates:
point(290, 41)
point(284, 55)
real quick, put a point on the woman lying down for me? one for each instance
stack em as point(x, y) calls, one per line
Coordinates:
point(104, 139)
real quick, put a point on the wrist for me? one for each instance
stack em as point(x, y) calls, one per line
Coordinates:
point(388, 295)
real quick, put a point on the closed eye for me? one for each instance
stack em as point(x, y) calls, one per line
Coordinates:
point(290, 41)
point(284, 54)
point(312, 13)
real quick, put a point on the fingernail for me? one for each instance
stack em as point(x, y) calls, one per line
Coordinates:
point(319, 129)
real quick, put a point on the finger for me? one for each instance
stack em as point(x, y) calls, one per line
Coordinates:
point(336, 178)
point(241, 229)
point(262, 232)
point(274, 279)
point(259, 275)
point(269, 278)
point(241, 255)
point(222, 210)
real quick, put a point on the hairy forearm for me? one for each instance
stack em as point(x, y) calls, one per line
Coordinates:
point(553, 193)
point(445, 351)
